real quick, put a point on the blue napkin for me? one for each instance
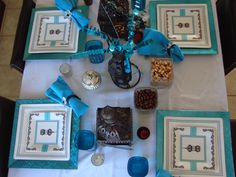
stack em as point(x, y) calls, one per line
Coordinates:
point(69, 6)
point(160, 46)
point(163, 173)
point(59, 91)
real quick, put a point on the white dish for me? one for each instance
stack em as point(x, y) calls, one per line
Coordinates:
point(194, 146)
point(185, 24)
point(43, 132)
point(52, 32)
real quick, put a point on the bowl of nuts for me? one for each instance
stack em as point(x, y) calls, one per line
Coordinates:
point(145, 98)
point(161, 72)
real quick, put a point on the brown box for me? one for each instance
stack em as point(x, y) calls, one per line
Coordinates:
point(114, 125)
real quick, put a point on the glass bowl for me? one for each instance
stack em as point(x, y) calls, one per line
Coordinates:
point(161, 72)
point(145, 98)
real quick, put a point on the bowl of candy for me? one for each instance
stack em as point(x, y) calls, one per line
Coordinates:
point(145, 98)
point(161, 72)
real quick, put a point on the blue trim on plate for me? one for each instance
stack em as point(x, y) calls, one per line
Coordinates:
point(161, 114)
point(189, 51)
point(54, 56)
point(72, 163)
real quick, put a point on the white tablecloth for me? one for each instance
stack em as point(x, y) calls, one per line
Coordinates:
point(199, 84)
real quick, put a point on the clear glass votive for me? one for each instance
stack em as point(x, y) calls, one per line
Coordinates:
point(66, 70)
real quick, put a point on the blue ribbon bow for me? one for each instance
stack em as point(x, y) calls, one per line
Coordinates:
point(69, 7)
point(60, 92)
point(160, 46)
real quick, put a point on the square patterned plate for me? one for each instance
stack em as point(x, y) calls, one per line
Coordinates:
point(188, 24)
point(53, 32)
point(52, 36)
point(195, 143)
point(43, 135)
point(43, 132)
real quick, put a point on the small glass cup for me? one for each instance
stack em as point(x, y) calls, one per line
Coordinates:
point(66, 70)
point(94, 45)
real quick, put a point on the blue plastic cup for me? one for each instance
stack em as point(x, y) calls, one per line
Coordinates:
point(138, 166)
point(86, 140)
point(93, 45)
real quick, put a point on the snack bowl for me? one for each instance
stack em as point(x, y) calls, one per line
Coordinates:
point(145, 98)
point(162, 72)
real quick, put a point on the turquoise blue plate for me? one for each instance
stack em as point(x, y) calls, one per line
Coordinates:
point(72, 163)
point(189, 51)
point(167, 120)
point(54, 56)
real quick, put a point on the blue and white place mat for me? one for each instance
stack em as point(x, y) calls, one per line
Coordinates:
point(43, 132)
point(185, 24)
point(53, 32)
point(194, 143)
point(188, 23)
point(43, 135)
point(52, 35)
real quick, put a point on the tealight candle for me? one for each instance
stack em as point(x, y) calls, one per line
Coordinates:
point(66, 70)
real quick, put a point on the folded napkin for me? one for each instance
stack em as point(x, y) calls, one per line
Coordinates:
point(160, 46)
point(69, 7)
point(163, 173)
point(60, 92)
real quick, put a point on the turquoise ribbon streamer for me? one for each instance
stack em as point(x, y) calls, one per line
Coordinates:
point(59, 90)
point(160, 46)
point(69, 7)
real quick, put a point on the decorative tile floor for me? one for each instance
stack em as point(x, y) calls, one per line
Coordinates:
point(231, 91)
point(10, 79)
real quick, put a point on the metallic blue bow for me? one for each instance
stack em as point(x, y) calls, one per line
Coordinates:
point(69, 7)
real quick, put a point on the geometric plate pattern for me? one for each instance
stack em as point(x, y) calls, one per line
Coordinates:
point(53, 32)
point(191, 23)
point(57, 39)
point(46, 131)
point(43, 132)
point(40, 111)
point(185, 24)
point(194, 146)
